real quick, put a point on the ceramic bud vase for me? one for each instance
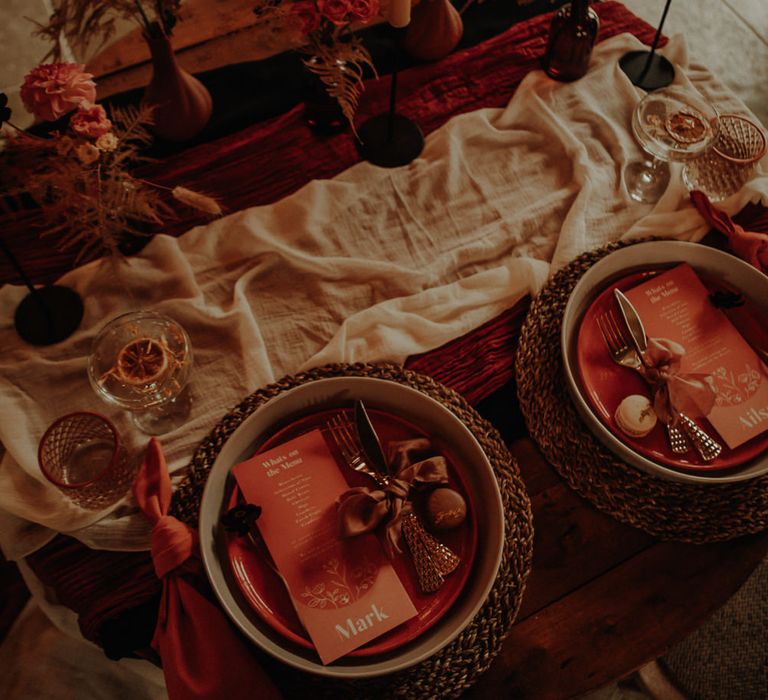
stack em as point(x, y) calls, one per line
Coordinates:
point(182, 103)
point(435, 30)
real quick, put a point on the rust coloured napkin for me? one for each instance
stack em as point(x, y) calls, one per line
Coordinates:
point(203, 655)
point(751, 246)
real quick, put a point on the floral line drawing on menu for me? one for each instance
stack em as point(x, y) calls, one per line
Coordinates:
point(735, 388)
point(336, 590)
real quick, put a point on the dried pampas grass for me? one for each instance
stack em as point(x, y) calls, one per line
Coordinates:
point(196, 200)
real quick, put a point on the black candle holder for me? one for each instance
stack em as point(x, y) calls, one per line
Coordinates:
point(48, 314)
point(390, 140)
point(647, 69)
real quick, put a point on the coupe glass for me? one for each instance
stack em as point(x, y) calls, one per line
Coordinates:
point(670, 125)
point(141, 361)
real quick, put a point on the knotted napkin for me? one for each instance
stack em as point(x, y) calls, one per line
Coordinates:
point(748, 245)
point(675, 392)
point(362, 510)
point(203, 655)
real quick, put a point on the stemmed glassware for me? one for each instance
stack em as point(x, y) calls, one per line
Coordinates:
point(141, 361)
point(671, 125)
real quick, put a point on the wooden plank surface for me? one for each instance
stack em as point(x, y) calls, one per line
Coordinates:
point(198, 21)
point(208, 35)
point(603, 599)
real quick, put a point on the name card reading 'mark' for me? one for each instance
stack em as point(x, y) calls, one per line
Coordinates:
point(345, 591)
point(675, 305)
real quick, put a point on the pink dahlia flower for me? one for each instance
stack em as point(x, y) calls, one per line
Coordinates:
point(52, 89)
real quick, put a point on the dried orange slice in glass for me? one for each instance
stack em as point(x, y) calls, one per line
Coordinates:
point(687, 126)
point(141, 361)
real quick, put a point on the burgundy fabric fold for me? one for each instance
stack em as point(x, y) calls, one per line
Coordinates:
point(675, 392)
point(103, 588)
point(203, 655)
point(751, 246)
point(362, 510)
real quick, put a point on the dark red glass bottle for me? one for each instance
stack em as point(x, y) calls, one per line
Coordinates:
point(571, 38)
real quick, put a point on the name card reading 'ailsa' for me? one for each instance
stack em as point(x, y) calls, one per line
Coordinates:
point(675, 305)
point(345, 591)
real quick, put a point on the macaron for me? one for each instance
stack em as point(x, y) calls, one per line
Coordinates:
point(445, 509)
point(635, 416)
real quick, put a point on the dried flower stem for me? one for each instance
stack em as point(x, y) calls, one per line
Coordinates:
point(23, 132)
point(143, 15)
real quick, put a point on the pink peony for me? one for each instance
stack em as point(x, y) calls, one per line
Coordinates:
point(308, 15)
point(363, 10)
point(90, 123)
point(52, 89)
point(335, 10)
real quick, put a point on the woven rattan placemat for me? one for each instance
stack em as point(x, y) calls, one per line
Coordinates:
point(457, 666)
point(669, 510)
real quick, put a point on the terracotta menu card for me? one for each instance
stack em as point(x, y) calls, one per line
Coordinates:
point(675, 305)
point(344, 591)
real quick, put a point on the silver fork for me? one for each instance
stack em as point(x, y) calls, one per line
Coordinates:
point(345, 438)
point(624, 354)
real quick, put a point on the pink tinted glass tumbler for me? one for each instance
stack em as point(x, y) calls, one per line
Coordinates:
point(81, 453)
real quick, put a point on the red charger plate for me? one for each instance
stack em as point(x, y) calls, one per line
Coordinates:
point(266, 593)
point(605, 384)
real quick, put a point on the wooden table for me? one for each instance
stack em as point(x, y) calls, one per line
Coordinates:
point(603, 598)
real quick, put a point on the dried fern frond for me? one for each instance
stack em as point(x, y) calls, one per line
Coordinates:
point(340, 67)
point(89, 207)
point(131, 128)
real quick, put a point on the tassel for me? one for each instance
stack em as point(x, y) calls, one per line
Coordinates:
point(432, 559)
point(707, 447)
point(196, 200)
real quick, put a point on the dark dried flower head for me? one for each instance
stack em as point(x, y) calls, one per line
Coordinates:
point(241, 519)
point(5, 110)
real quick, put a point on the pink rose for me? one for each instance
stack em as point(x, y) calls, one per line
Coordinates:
point(363, 10)
point(53, 89)
point(307, 14)
point(90, 123)
point(334, 10)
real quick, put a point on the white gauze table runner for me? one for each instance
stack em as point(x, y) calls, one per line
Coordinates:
point(374, 264)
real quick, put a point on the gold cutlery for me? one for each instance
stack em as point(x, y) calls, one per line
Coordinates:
point(432, 559)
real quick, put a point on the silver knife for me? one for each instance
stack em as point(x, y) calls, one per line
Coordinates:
point(677, 439)
point(706, 446)
point(369, 440)
point(634, 324)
